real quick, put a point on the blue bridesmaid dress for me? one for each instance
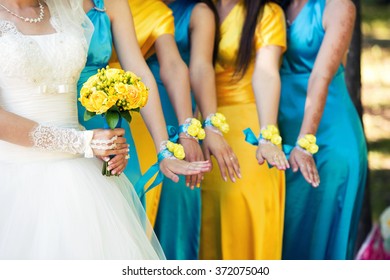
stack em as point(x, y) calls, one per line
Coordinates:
point(320, 223)
point(178, 218)
point(99, 53)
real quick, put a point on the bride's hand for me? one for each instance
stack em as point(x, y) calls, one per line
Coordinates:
point(106, 142)
point(174, 167)
point(273, 155)
point(117, 164)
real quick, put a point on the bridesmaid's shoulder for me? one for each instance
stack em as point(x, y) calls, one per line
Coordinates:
point(272, 8)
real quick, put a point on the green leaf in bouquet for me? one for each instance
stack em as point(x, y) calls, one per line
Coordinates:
point(126, 115)
point(88, 115)
point(112, 118)
point(136, 110)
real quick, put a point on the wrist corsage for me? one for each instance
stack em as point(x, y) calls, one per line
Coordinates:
point(308, 143)
point(270, 134)
point(192, 128)
point(171, 150)
point(217, 123)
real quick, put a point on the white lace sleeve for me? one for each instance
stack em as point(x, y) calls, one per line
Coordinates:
point(68, 140)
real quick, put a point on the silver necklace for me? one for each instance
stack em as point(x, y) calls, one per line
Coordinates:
point(26, 19)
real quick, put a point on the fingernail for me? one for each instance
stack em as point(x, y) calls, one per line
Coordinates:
point(187, 184)
point(113, 172)
point(106, 159)
point(225, 179)
point(234, 180)
point(109, 168)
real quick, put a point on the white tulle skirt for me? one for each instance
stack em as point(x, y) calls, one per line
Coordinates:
point(65, 209)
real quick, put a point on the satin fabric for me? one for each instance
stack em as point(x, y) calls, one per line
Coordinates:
point(320, 223)
point(99, 54)
point(243, 220)
point(178, 214)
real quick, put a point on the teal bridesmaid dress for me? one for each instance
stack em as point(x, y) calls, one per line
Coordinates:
point(320, 223)
point(99, 53)
point(178, 218)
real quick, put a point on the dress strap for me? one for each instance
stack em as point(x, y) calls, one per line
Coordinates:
point(99, 5)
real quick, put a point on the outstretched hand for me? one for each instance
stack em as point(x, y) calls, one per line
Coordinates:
point(172, 167)
point(216, 145)
point(301, 160)
point(193, 153)
point(273, 155)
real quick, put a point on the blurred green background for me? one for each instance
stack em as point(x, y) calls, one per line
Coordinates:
point(375, 63)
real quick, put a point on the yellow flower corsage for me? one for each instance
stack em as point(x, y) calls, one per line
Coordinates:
point(270, 134)
point(308, 143)
point(192, 128)
point(217, 123)
point(169, 149)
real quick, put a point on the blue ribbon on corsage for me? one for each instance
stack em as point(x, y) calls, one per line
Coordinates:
point(155, 168)
point(251, 138)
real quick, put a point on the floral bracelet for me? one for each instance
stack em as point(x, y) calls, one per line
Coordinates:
point(192, 128)
point(308, 143)
point(270, 134)
point(217, 123)
point(170, 150)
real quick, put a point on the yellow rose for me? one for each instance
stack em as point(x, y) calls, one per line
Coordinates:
point(112, 73)
point(313, 148)
point(170, 146)
point(133, 97)
point(276, 139)
point(120, 88)
point(97, 100)
point(224, 128)
point(220, 116)
point(178, 152)
point(273, 129)
point(311, 138)
point(193, 130)
point(201, 134)
point(266, 134)
point(196, 122)
point(145, 96)
point(85, 92)
point(92, 81)
point(303, 142)
point(215, 121)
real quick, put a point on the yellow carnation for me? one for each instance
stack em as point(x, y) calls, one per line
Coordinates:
point(170, 146)
point(220, 116)
point(196, 122)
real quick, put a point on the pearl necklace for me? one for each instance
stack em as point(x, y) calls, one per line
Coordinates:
point(26, 19)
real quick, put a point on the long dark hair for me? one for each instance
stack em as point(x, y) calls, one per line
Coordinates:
point(212, 7)
point(254, 9)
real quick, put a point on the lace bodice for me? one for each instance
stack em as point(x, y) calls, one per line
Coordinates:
point(39, 73)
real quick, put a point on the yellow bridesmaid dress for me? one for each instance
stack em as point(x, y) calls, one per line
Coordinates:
point(243, 220)
point(152, 19)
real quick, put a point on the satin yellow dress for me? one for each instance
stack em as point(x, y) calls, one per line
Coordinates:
point(152, 19)
point(243, 220)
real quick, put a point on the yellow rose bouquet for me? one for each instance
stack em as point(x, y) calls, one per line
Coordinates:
point(113, 94)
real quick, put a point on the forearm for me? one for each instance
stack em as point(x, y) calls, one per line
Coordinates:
point(24, 132)
point(152, 113)
point(203, 85)
point(266, 86)
point(177, 84)
point(16, 129)
point(315, 103)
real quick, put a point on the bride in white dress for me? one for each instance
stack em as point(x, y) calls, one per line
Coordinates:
point(54, 202)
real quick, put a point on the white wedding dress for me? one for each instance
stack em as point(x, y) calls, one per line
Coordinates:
point(57, 205)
